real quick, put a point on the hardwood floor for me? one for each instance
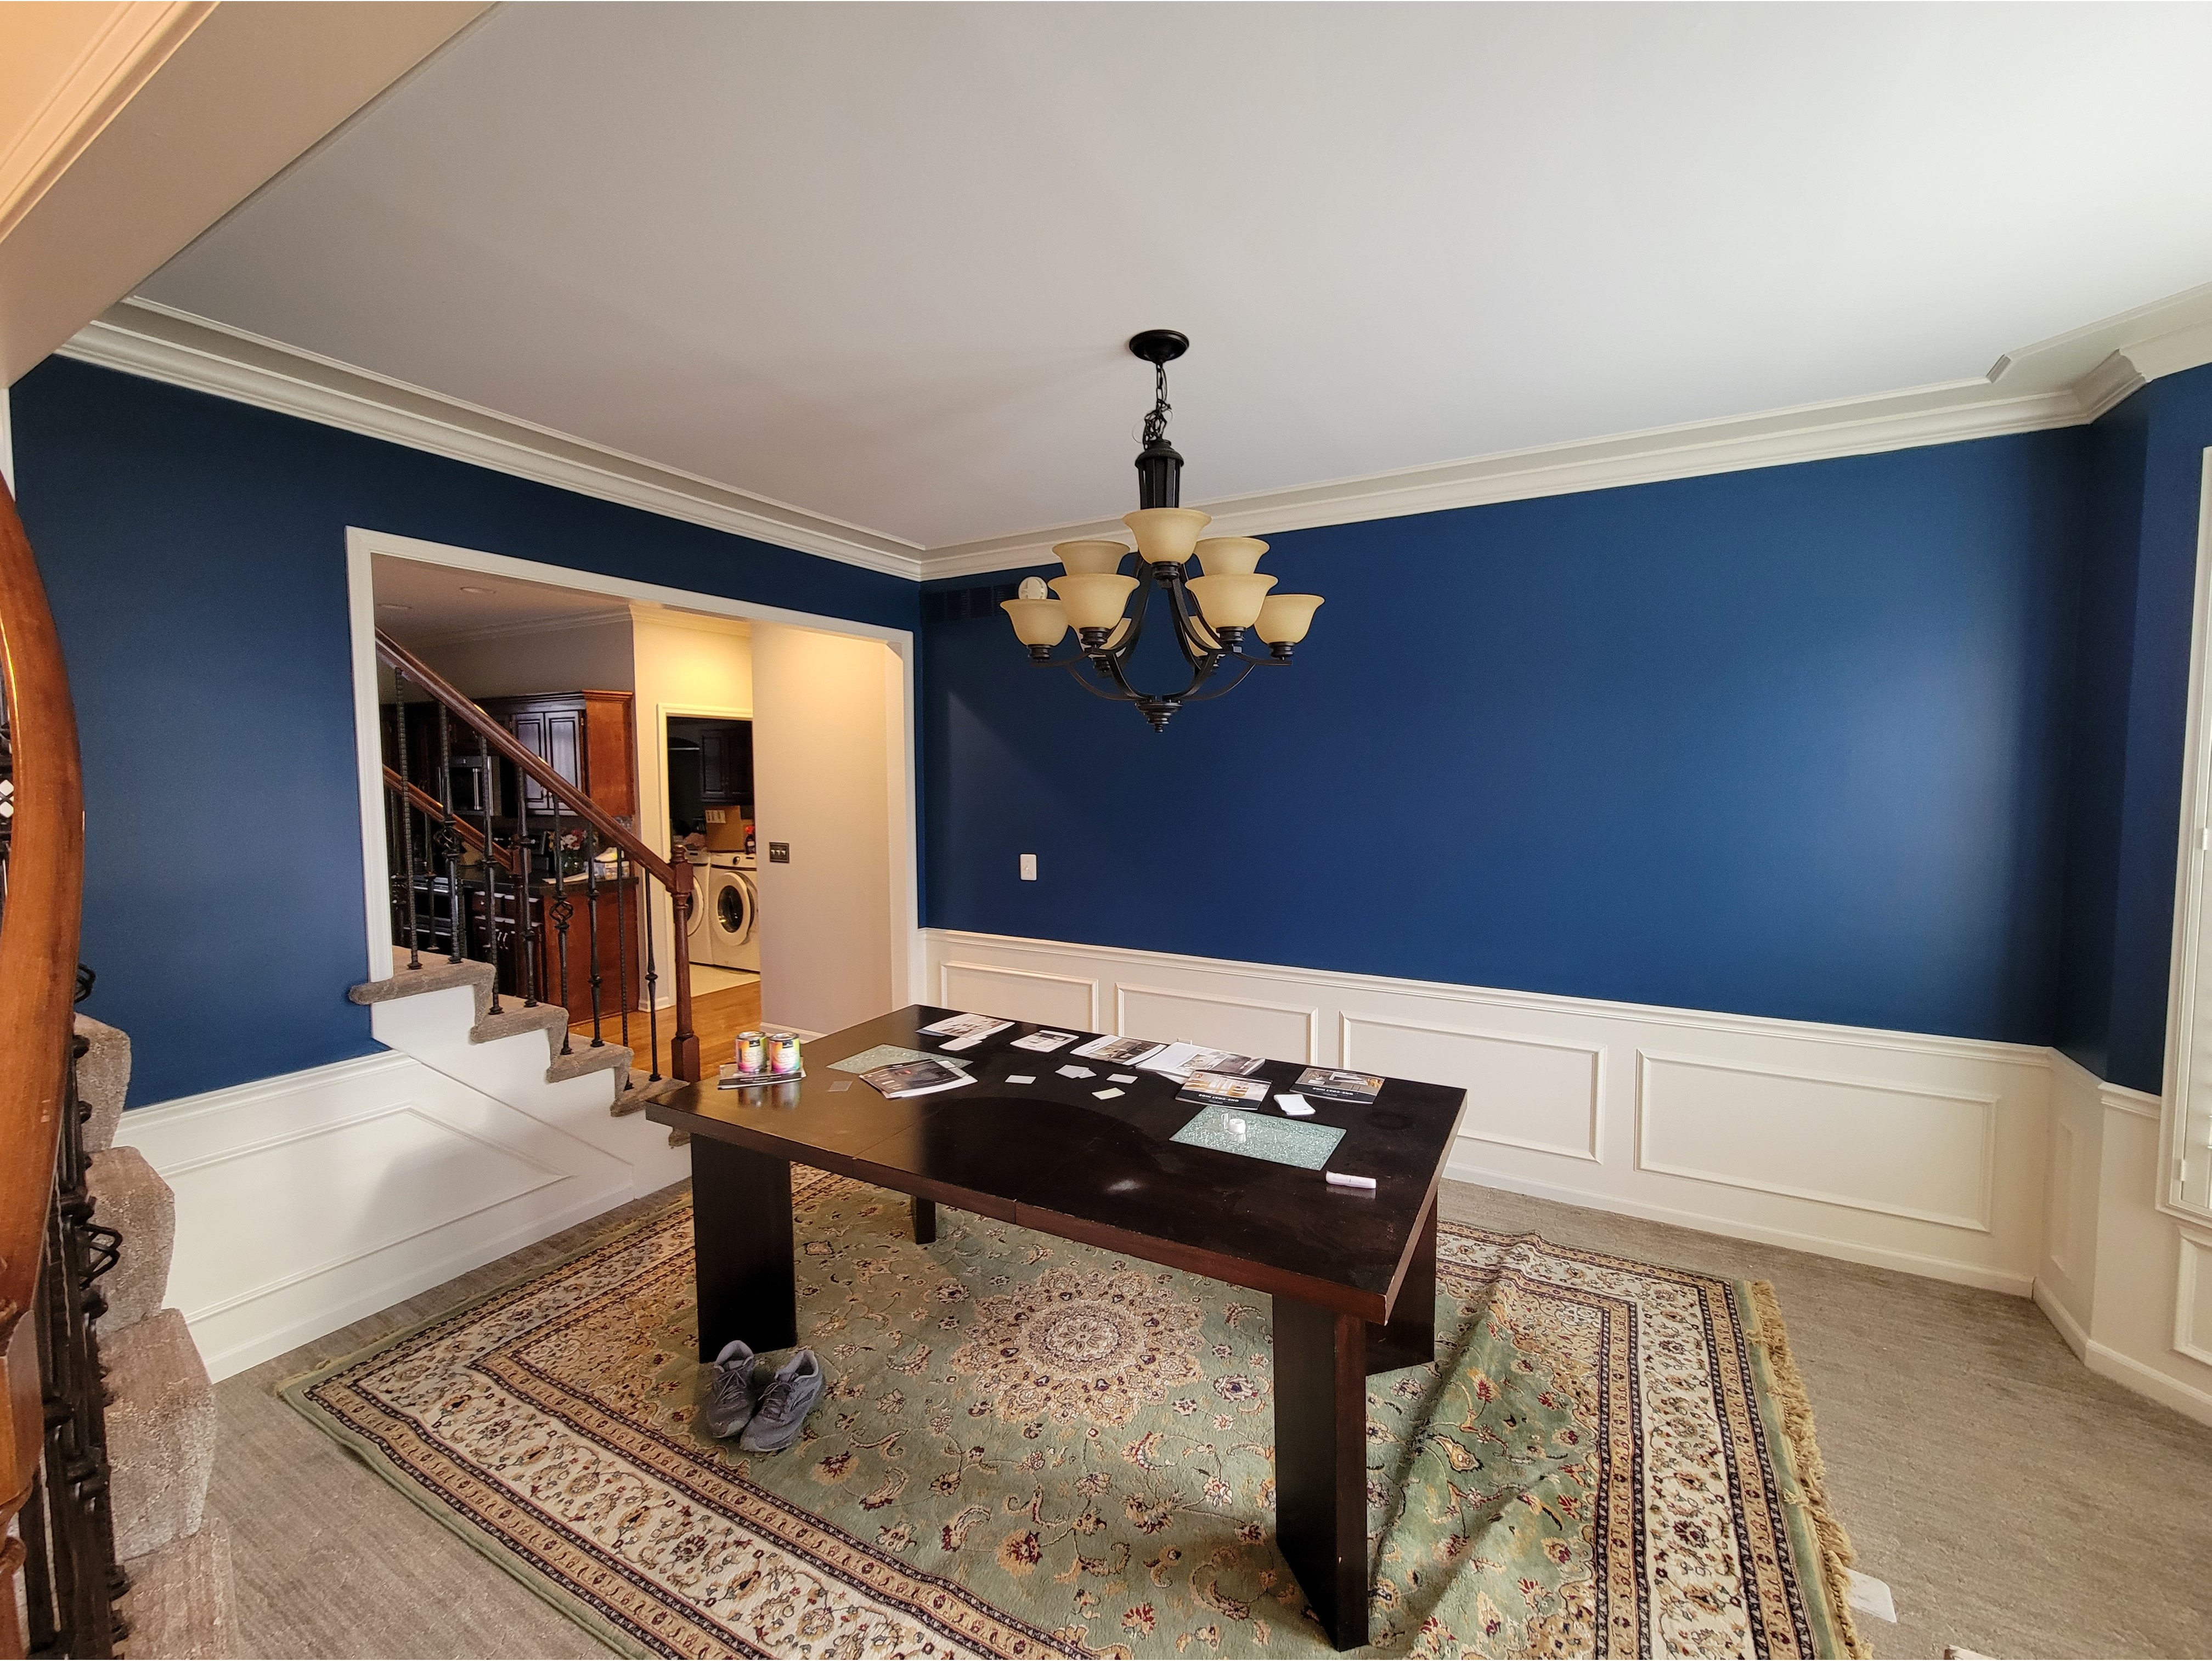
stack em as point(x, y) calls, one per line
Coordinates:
point(718, 1017)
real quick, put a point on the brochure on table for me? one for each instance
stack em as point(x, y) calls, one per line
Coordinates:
point(1334, 1084)
point(1128, 1051)
point(914, 1078)
point(965, 1032)
point(1224, 1090)
point(1180, 1061)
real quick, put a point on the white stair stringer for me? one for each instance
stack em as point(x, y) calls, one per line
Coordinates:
point(446, 1028)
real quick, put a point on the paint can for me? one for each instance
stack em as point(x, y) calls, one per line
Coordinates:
point(783, 1053)
point(751, 1055)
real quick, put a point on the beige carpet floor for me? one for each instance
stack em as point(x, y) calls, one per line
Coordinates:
point(2016, 1504)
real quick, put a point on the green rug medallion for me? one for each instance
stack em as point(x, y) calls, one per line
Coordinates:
point(1031, 1447)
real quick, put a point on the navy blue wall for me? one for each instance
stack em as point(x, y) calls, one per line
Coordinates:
point(1784, 743)
point(194, 551)
point(2139, 583)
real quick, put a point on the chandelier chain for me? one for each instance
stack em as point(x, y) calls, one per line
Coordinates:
point(1156, 424)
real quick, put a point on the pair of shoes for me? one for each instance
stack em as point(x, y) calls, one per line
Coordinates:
point(772, 1422)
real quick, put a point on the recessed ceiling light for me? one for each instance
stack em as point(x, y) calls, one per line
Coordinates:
point(392, 605)
point(466, 589)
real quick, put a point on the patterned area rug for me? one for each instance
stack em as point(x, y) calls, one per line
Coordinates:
point(1033, 1448)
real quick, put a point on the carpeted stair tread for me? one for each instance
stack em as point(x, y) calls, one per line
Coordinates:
point(437, 974)
point(103, 1074)
point(130, 1197)
point(584, 1058)
point(183, 1601)
point(161, 1432)
point(643, 1091)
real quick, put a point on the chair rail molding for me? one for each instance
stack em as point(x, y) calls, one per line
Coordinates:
point(1559, 1096)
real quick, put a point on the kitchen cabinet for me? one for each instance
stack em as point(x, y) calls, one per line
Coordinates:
point(588, 738)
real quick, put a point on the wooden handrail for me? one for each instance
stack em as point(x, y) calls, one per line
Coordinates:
point(425, 803)
point(38, 986)
point(460, 704)
point(683, 1044)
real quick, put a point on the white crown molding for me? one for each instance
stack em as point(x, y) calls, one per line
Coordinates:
point(143, 338)
point(2062, 382)
point(698, 621)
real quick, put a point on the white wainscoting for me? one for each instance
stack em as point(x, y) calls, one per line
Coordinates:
point(1917, 1153)
point(307, 1201)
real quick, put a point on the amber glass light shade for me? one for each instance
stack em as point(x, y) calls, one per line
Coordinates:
point(1230, 556)
point(1094, 601)
point(1037, 622)
point(1091, 557)
point(1165, 535)
point(1231, 601)
point(1284, 618)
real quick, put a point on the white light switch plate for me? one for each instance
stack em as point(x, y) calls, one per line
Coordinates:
point(1028, 867)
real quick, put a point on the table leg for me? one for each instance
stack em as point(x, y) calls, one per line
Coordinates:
point(924, 1222)
point(1321, 1462)
point(741, 1245)
point(1410, 1337)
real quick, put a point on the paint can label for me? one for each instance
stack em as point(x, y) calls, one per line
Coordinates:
point(783, 1053)
point(751, 1055)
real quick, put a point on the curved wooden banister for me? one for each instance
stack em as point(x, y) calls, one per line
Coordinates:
point(38, 985)
point(684, 1046)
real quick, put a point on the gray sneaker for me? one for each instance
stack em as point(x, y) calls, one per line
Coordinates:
point(793, 1394)
point(729, 1390)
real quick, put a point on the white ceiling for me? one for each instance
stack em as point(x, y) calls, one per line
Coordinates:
point(877, 261)
point(417, 601)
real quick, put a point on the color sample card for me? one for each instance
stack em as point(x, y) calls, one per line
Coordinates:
point(1280, 1141)
point(1120, 1078)
point(1072, 1071)
point(1021, 1078)
point(1106, 1095)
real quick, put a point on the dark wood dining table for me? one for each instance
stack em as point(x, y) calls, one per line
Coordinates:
point(1352, 1272)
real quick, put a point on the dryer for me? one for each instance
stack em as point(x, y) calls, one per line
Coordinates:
point(699, 933)
point(733, 911)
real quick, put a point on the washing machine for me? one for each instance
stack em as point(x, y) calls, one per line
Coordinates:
point(699, 935)
point(733, 911)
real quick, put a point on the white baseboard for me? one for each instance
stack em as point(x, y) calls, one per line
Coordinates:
point(307, 1201)
point(2061, 1318)
point(1910, 1151)
point(2160, 1387)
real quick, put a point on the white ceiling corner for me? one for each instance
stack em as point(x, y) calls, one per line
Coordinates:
point(880, 260)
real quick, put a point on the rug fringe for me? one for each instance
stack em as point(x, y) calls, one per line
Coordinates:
point(1836, 1554)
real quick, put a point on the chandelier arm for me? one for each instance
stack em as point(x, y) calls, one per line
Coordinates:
point(1244, 667)
point(1194, 652)
point(1074, 668)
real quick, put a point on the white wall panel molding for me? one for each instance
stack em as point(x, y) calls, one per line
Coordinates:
point(311, 1199)
point(1024, 994)
point(1252, 1027)
point(2192, 1296)
point(1559, 1086)
point(1824, 1137)
point(1916, 1152)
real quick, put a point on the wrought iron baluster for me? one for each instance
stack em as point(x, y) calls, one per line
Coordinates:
point(652, 979)
point(623, 897)
point(449, 839)
point(486, 781)
point(525, 894)
point(591, 925)
point(407, 826)
point(561, 910)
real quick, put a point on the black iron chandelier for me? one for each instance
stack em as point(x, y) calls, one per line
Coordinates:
point(1211, 613)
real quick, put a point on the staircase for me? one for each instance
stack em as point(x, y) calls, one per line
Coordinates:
point(160, 1407)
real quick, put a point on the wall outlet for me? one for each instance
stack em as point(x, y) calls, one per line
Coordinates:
point(1028, 867)
point(714, 815)
point(778, 853)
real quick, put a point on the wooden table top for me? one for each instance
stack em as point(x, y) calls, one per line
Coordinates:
point(1052, 1156)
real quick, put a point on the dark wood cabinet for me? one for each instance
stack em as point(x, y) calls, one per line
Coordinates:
point(588, 738)
point(726, 758)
